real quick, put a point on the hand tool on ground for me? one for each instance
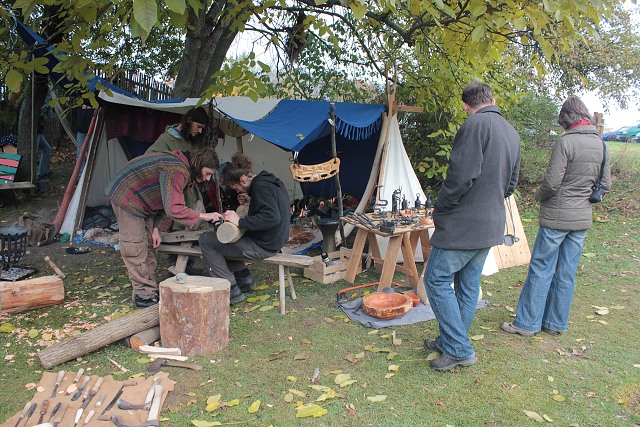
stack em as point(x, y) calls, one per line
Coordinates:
point(43, 410)
point(55, 410)
point(23, 413)
point(154, 411)
point(146, 405)
point(31, 411)
point(57, 384)
point(155, 366)
point(102, 417)
point(60, 416)
point(78, 392)
point(92, 393)
point(100, 400)
point(78, 415)
point(55, 267)
point(89, 416)
point(73, 386)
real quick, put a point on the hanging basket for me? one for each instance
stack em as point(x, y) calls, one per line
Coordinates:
point(315, 173)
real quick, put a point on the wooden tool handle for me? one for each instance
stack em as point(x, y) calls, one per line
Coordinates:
point(78, 375)
point(97, 386)
point(154, 412)
point(59, 377)
point(55, 267)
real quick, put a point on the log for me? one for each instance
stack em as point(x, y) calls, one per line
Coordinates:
point(229, 233)
point(148, 336)
point(101, 336)
point(195, 316)
point(31, 294)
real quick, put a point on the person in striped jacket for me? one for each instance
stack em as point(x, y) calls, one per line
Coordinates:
point(146, 196)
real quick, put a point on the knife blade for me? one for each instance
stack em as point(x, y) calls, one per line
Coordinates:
point(78, 392)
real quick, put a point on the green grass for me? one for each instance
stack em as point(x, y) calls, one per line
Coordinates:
point(594, 366)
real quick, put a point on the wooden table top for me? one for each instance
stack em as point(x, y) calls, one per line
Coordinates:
point(412, 221)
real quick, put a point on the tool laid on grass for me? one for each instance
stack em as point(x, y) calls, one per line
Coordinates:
point(73, 387)
point(154, 411)
point(155, 366)
point(57, 384)
point(146, 405)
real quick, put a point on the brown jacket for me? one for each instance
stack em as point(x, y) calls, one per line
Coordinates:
point(573, 169)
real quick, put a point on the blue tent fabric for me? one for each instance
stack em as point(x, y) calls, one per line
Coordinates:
point(294, 124)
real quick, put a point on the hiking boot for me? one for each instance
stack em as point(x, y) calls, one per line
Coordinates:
point(443, 363)
point(432, 346)
point(245, 280)
point(551, 331)
point(235, 295)
point(145, 302)
point(510, 329)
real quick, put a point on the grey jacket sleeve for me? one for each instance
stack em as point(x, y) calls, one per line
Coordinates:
point(555, 172)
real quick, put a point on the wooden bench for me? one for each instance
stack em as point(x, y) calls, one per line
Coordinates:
point(8, 167)
point(185, 249)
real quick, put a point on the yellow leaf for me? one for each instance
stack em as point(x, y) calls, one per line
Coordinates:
point(477, 337)
point(47, 336)
point(231, 403)
point(534, 416)
point(310, 410)
point(347, 383)
point(340, 378)
point(212, 406)
point(374, 332)
point(602, 311)
point(254, 407)
point(393, 368)
point(201, 423)
point(377, 398)
point(258, 298)
point(336, 371)
point(33, 333)
point(558, 398)
point(360, 355)
point(266, 308)
point(292, 378)
point(432, 356)
point(546, 417)
point(509, 308)
point(320, 387)
point(297, 392)
point(262, 287)
point(391, 355)
point(288, 397)
point(192, 394)
point(389, 375)
point(7, 328)
point(550, 378)
point(214, 398)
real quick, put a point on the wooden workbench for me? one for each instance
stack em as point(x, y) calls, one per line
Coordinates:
point(405, 238)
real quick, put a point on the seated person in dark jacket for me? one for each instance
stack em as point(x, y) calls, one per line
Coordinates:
point(266, 226)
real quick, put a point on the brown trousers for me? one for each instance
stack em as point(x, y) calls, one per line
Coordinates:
point(137, 252)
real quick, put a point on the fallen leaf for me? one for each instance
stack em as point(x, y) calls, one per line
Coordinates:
point(254, 407)
point(558, 398)
point(201, 423)
point(476, 337)
point(347, 383)
point(310, 410)
point(550, 378)
point(261, 288)
point(231, 403)
point(546, 417)
point(212, 406)
point(288, 397)
point(7, 328)
point(214, 398)
point(391, 355)
point(301, 356)
point(33, 333)
point(340, 378)
point(258, 298)
point(266, 308)
point(534, 416)
point(297, 392)
point(275, 356)
point(389, 375)
point(393, 368)
point(377, 398)
point(292, 378)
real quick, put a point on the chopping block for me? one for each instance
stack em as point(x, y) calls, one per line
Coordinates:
point(194, 315)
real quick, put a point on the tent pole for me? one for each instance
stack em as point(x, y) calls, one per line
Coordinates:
point(334, 152)
point(239, 144)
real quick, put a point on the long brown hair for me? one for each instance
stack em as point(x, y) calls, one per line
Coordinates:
point(240, 165)
point(198, 115)
point(203, 158)
point(573, 111)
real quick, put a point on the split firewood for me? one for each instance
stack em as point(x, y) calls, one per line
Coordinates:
point(149, 349)
point(117, 365)
point(168, 356)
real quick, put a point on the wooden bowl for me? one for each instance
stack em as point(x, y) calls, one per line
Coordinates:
point(386, 305)
point(415, 299)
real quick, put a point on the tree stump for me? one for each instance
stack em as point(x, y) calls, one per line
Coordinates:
point(229, 233)
point(194, 316)
point(31, 294)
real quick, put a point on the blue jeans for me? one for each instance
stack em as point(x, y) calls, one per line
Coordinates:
point(45, 157)
point(546, 296)
point(454, 307)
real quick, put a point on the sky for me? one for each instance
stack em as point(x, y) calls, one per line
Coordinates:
point(616, 117)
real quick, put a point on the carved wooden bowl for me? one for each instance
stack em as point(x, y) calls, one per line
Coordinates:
point(386, 305)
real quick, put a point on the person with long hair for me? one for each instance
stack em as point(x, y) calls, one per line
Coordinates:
point(266, 226)
point(565, 217)
point(146, 196)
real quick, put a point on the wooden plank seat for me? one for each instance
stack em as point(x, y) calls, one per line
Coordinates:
point(187, 249)
point(8, 167)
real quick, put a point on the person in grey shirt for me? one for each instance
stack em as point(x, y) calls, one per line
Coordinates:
point(469, 217)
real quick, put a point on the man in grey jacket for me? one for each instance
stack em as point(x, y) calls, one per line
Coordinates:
point(565, 216)
point(469, 218)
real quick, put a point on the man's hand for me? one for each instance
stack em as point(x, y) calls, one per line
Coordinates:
point(243, 198)
point(232, 217)
point(210, 216)
point(155, 238)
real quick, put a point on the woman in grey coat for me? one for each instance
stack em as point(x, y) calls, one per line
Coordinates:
point(565, 217)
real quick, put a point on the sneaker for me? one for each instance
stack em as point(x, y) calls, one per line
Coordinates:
point(235, 295)
point(551, 331)
point(144, 303)
point(432, 346)
point(510, 329)
point(443, 363)
point(245, 280)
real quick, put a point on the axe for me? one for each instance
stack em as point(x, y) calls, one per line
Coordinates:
point(154, 411)
point(154, 368)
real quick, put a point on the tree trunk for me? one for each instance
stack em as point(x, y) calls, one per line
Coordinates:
point(103, 335)
point(28, 118)
point(31, 294)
